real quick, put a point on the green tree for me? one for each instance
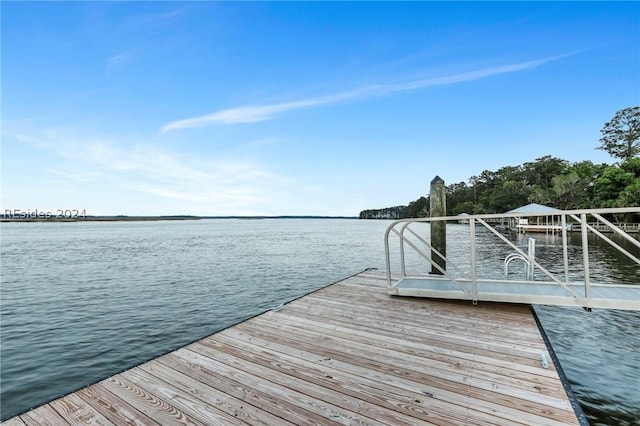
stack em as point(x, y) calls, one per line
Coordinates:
point(541, 196)
point(589, 173)
point(483, 186)
point(608, 187)
point(512, 194)
point(621, 135)
point(474, 180)
point(418, 208)
point(630, 195)
point(570, 191)
point(464, 207)
point(543, 169)
point(587, 170)
point(457, 194)
point(632, 166)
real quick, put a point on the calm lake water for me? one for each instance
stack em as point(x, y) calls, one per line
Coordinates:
point(83, 301)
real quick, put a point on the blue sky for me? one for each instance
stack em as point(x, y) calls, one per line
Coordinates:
point(236, 108)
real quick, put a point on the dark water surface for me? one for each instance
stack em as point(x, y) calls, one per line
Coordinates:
point(82, 301)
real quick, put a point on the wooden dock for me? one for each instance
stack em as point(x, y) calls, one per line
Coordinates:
point(346, 354)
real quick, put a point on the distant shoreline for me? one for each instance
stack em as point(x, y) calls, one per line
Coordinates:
point(158, 218)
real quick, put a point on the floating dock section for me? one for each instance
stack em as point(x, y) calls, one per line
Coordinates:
point(550, 284)
point(347, 354)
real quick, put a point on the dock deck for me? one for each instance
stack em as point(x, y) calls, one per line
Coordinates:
point(346, 354)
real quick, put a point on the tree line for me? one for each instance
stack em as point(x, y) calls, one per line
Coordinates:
point(547, 180)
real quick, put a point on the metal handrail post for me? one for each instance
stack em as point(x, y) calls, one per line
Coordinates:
point(386, 254)
point(474, 272)
point(386, 257)
point(403, 267)
point(531, 254)
point(565, 250)
point(585, 255)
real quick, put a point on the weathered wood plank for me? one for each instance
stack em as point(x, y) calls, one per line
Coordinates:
point(304, 370)
point(489, 314)
point(229, 384)
point(112, 407)
point(362, 344)
point(293, 396)
point(374, 338)
point(348, 381)
point(13, 422)
point(423, 317)
point(329, 333)
point(508, 315)
point(452, 361)
point(424, 394)
point(355, 406)
point(376, 277)
point(159, 410)
point(371, 357)
point(193, 407)
point(414, 328)
point(77, 412)
point(43, 415)
point(418, 328)
point(212, 396)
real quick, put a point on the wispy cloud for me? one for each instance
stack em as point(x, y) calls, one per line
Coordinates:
point(110, 174)
point(199, 185)
point(157, 18)
point(119, 59)
point(72, 176)
point(252, 114)
point(256, 113)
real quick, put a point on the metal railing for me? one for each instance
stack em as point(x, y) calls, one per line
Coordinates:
point(626, 227)
point(529, 267)
point(567, 219)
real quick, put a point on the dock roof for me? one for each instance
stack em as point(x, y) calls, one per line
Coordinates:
point(534, 208)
